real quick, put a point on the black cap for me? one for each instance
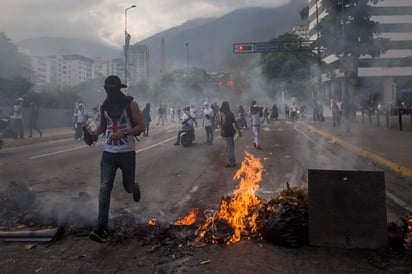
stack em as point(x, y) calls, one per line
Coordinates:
point(114, 81)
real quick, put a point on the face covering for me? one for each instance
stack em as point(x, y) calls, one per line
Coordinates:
point(115, 101)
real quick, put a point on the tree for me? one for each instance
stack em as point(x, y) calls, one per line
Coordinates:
point(12, 63)
point(188, 83)
point(304, 13)
point(348, 32)
point(290, 68)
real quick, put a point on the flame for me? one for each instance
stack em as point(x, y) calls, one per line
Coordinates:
point(189, 219)
point(410, 224)
point(240, 211)
point(152, 221)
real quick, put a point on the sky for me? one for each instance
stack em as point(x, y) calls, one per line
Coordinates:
point(104, 20)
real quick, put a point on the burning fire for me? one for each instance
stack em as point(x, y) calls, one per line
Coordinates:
point(237, 215)
point(152, 221)
point(410, 224)
point(189, 219)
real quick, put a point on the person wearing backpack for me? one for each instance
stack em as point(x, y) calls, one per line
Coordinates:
point(121, 120)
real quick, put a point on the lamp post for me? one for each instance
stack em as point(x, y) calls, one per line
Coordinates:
point(319, 93)
point(126, 42)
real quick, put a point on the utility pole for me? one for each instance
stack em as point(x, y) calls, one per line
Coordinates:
point(319, 94)
point(347, 109)
point(127, 38)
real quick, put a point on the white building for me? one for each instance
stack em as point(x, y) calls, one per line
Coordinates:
point(387, 78)
point(138, 64)
point(73, 69)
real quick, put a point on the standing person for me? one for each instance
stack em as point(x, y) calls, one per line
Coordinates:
point(172, 114)
point(147, 119)
point(242, 117)
point(34, 116)
point(293, 111)
point(179, 113)
point(286, 111)
point(215, 108)
point(18, 118)
point(121, 120)
point(335, 114)
point(265, 114)
point(75, 111)
point(227, 121)
point(340, 111)
point(256, 113)
point(96, 116)
point(274, 112)
point(160, 115)
point(81, 120)
point(208, 122)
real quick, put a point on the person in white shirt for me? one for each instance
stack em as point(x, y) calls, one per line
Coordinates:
point(18, 118)
point(208, 122)
point(188, 119)
point(256, 113)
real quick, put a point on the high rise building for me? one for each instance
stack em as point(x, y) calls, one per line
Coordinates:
point(73, 69)
point(138, 64)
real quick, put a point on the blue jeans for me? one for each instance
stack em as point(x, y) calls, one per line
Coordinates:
point(109, 164)
point(230, 150)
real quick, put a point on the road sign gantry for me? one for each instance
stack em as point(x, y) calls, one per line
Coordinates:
point(261, 47)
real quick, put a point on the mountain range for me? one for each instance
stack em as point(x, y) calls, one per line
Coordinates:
point(204, 42)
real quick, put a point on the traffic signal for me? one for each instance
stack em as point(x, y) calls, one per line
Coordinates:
point(244, 48)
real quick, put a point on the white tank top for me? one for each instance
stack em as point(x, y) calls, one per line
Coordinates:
point(126, 144)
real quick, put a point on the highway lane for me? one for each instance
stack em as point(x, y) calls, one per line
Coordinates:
point(174, 179)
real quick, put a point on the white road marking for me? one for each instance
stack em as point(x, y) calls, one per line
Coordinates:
point(390, 195)
point(81, 147)
point(155, 145)
point(57, 152)
point(399, 201)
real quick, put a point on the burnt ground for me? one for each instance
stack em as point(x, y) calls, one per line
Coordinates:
point(136, 247)
point(172, 249)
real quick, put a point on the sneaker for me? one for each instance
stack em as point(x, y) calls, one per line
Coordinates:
point(258, 148)
point(136, 194)
point(176, 144)
point(98, 235)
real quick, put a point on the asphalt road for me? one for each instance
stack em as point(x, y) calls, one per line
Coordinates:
point(174, 179)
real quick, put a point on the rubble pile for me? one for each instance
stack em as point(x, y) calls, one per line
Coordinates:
point(18, 207)
point(286, 217)
point(282, 220)
point(126, 227)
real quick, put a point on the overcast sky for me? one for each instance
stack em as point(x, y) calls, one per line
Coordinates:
point(105, 19)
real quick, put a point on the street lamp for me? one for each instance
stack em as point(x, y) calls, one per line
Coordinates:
point(126, 42)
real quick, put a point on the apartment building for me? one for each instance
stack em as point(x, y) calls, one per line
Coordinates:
point(386, 79)
point(138, 64)
point(73, 69)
